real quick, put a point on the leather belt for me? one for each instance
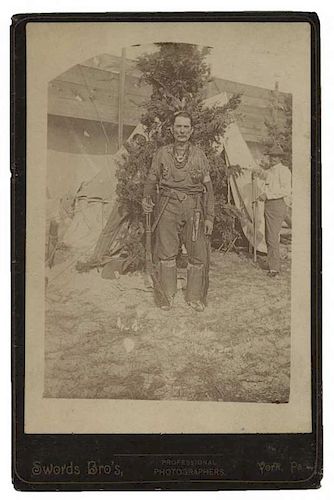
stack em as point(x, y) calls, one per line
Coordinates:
point(172, 194)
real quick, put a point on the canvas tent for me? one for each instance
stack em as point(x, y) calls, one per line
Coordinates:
point(237, 152)
point(94, 201)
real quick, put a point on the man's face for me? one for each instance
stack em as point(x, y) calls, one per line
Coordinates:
point(182, 129)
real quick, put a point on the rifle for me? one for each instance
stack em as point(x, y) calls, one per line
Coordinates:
point(159, 293)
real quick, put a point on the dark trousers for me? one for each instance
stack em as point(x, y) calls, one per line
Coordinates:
point(274, 215)
point(176, 227)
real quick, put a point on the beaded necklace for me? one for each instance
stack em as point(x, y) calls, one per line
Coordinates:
point(180, 160)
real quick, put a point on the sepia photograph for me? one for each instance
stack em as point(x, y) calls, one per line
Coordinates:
point(168, 229)
point(168, 226)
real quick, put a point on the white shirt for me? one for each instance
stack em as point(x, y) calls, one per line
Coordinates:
point(278, 183)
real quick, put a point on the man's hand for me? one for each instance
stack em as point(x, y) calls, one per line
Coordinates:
point(262, 197)
point(208, 227)
point(147, 205)
point(258, 173)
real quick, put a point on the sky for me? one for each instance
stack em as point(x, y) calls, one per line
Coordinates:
point(255, 57)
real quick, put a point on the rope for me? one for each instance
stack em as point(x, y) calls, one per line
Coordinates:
point(237, 188)
point(96, 110)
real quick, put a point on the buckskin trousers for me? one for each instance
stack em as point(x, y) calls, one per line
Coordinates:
point(176, 227)
point(274, 215)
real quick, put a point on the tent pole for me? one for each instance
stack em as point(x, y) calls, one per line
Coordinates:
point(121, 89)
point(228, 178)
point(254, 205)
point(228, 189)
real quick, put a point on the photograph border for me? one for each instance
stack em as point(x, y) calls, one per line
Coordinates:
point(142, 453)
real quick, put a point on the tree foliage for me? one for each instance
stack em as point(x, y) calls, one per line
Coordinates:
point(279, 127)
point(178, 76)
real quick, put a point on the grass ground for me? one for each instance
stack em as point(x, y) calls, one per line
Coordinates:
point(107, 339)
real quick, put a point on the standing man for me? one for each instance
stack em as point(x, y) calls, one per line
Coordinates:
point(276, 195)
point(184, 211)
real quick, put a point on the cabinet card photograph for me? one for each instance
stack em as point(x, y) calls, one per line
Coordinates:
point(166, 251)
